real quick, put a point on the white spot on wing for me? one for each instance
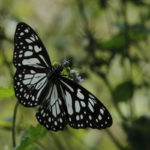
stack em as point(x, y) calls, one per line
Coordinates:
point(28, 40)
point(21, 33)
point(42, 111)
point(90, 117)
point(30, 47)
point(99, 117)
point(57, 108)
point(79, 94)
point(91, 96)
point(49, 119)
point(30, 61)
point(32, 38)
point(32, 71)
point(28, 53)
point(77, 106)
point(26, 81)
point(55, 123)
point(28, 76)
point(54, 111)
point(37, 49)
point(33, 98)
point(54, 95)
point(90, 107)
point(20, 55)
point(77, 117)
point(81, 116)
point(21, 89)
point(26, 30)
point(68, 100)
point(102, 111)
point(91, 101)
point(61, 120)
point(82, 104)
point(36, 37)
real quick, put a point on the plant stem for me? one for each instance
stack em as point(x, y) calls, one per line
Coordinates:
point(14, 124)
point(115, 140)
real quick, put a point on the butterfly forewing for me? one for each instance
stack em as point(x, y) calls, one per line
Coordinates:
point(29, 50)
point(51, 113)
point(29, 86)
point(84, 110)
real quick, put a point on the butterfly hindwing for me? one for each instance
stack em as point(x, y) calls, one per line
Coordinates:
point(29, 85)
point(29, 50)
point(83, 109)
point(51, 113)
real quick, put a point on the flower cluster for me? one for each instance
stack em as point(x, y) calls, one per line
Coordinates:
point(75, 75)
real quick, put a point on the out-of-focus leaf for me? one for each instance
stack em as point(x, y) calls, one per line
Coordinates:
point(137, 34)
point(33, 147)
point(1, 59)
point(138, 2)
point(116, 43)
point(5, 124)
point(103, 3)
point(6, 92)
point(30, 136)
point(123, 91)
point(134, 27)
point(139, 133)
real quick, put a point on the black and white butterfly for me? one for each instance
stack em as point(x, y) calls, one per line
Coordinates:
point(62, 101)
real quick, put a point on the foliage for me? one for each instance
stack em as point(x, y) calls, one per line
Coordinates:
point(30, 136)
point(6, 92)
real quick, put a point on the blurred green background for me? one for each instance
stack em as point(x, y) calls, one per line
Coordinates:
point(109, 41)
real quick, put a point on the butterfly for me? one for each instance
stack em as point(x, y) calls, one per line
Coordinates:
point(61, 100)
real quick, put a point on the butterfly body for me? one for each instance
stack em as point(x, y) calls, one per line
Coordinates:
point(61, 101)
point(55, 71)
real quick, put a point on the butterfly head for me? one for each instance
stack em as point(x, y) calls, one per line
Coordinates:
point(55, 71)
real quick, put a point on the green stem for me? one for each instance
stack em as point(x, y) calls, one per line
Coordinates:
point(14, 124)
point(83, 15)
point(57, 141)
point(115, 140)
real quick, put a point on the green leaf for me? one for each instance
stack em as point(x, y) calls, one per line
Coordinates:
point(139, 132)
point(123, 91)
point(33, 147)
point(30, 136)
point(137, 34)
point(6, 92)
point(116, 43)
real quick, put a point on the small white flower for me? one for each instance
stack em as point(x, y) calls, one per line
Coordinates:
point(65, 61)
point(73, 72)
point(79, 79)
